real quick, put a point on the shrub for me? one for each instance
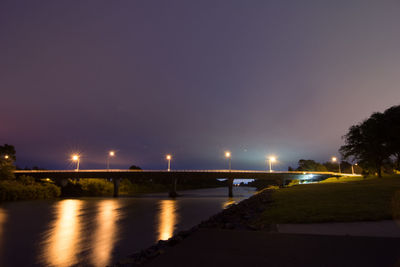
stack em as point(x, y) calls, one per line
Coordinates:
point(88, 187)
point(126, 187)
point(26, 180)
point(16, 190)
point(6, 170)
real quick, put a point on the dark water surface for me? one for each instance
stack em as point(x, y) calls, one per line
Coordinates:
point(99, 231)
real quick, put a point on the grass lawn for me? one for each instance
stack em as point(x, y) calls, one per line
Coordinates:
point(336, 200)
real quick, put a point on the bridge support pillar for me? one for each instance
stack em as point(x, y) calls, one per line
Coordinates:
point(116, 187)
point(172, 191)
point(230, 187)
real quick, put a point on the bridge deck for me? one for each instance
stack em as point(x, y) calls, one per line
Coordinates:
point(117, 173)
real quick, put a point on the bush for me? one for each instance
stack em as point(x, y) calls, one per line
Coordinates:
point(16, 190)
point(88, 187)
point(97, 187)
point(6, 170)
point(26, 180)
point(126, 187)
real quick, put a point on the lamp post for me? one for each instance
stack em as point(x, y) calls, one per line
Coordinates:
point(230, 180)
point(110, 154)
point(228, 156)
point(334, 159)
point(76, 158)
point(169, 157)
point(352, 168)
point(271, 160)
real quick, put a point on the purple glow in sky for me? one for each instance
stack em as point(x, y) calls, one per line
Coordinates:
point(192, 78)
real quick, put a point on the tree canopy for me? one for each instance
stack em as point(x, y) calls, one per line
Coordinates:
point(8, 152)
point(134, 167)
point(310, 165)
point(374, 141)
point(7, 159)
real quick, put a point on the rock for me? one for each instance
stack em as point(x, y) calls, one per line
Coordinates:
point(184, 234)
point(174, 240)
point(229, 226)
point(253, 227)
point(153, 254)
point(162, 243)
point(135, 254)
point(246, 216)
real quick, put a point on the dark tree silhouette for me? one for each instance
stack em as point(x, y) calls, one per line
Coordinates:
point(310, 165)
point(134, 167)
point(392, 121)
point(8, 152)
point(368, 143)
point(7, 159)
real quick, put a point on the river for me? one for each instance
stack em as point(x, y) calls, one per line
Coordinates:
point(99, 231)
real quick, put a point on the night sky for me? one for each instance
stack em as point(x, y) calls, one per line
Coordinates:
point(192, 78)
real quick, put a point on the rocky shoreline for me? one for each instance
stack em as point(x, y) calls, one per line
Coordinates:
point(242, 215)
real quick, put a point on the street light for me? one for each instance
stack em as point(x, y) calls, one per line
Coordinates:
point(352, 167)
point(228, 156)
point(334, 159)
point(271, 159)
point(169, 157)
point(76, 158)
point(6, 156)
point(110, 154)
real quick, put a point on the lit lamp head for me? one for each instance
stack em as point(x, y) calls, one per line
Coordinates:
point(6, 156)
point(75, 157)
point(168, 157)
point(272, 159)
point(334, 159)
point(111, 153)
point(227, 154)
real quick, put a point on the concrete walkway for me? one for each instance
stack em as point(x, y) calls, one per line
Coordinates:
point(216, 247)
point(377, 229)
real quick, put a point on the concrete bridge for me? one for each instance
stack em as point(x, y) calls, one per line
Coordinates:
point(276, 177)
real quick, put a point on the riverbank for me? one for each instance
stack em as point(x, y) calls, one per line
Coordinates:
point(240, 216)
point(344, 199)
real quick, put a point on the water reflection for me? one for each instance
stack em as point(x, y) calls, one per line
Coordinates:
point(230, 201)
point(167, 219)
point(97, 231)
point(3, 218)
point(63, 241)
point(106, 233)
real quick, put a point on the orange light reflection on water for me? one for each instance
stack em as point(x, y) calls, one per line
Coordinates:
point(106, 232)
point(3, 219)
point(167, 219)
point(63, 241)
point(227, 203)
